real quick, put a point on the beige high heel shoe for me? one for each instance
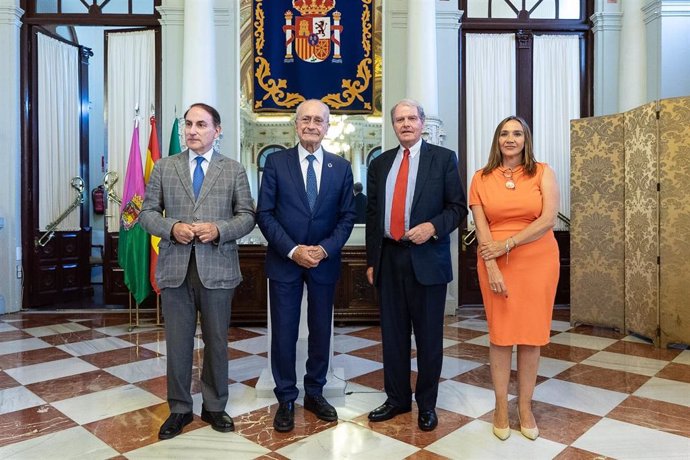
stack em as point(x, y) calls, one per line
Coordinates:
point(529, 433)
point(502, 433)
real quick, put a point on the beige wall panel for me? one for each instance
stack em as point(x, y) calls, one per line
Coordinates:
point(641, 222)
point(597, 249)
point(674, 162)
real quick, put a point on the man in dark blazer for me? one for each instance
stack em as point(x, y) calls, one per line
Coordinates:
point(360, 203)
point(199, 203)
point(416, 200)
point(306, 213)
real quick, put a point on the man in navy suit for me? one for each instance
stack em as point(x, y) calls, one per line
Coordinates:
point(416, 200)
point(306, 213)
point(360, 203)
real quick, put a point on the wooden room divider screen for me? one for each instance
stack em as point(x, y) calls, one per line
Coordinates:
point(630, 221)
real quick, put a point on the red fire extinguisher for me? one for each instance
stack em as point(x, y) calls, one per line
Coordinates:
point(98, 200)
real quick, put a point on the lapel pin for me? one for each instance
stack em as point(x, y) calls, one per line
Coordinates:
point(330, 165)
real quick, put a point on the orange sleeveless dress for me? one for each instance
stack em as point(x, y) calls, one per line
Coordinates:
point(530, 272)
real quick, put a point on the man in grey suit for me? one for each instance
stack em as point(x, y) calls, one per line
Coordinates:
point(199, 204)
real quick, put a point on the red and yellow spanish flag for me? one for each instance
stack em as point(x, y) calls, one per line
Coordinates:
point(153, 154)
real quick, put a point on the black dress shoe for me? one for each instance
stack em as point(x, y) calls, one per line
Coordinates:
point(427, 420)
point(319, 406)
point(386, 411)
point(220, 421)
point(174, 424)
point(284, 420)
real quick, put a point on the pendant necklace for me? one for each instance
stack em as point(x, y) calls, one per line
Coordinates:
point(508, 174)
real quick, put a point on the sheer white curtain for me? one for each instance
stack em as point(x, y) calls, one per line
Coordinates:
point(131, 84)
point(556, 102)
point(490, 88)
point(58, 131)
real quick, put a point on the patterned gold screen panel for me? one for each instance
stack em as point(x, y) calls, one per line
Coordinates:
point(597, 226)
point(641, 222)
point(674, 162)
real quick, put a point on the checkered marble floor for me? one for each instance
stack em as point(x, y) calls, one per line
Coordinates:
point(80, 385)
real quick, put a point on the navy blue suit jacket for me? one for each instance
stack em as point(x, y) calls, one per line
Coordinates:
point(285, 219)
point(439, 198)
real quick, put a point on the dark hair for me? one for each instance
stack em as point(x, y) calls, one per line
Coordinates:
point(358, 187)
point(211, 111)
point(495, 158)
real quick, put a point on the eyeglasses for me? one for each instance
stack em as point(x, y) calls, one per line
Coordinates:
point(306, 120)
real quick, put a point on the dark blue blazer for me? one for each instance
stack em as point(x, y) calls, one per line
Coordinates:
point(285, 219)
point(439, 198)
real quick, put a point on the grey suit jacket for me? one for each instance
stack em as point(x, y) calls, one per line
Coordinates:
point(225, 200)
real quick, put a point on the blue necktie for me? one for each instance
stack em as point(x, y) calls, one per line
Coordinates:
point(312, 191)
point(198, 177)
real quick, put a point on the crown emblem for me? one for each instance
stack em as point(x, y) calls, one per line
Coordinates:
point(313, 7)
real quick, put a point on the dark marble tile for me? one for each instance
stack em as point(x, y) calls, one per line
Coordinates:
point(8, 336)
point(144, 337)
point(573, 453)
point(425, 455)
point(6, 381)
point(651, 413)
point(566, 353)
point(75, 385)
point(31, 423)
point(609, 379)
point(28, 358)
point(257, 426)
point(469, 351)
point(372, 353)
point(481, 377)
point(555, 423)
point(675, 371)
point(404, 426)
point(238, 333)
point(371, 333)
point(643, 350)
point(121, 356)
point(375, 380)
point(460, 334)
point(72, 337)
point(597, 331)
point(272, 456)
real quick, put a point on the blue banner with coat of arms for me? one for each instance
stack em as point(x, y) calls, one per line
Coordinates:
point(313, 49)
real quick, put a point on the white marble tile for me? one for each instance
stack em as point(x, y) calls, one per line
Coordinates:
point(683, 357)
point(359, 400)
point(354, 366)
point(5, 327)
point(626, 363)
point(50, 371)
point(89, 347)
point(671, 391)
point(465, 399)
point(560, 326)
point(578, 397)
point(18, 398)
point(615, 439)
point(445, 343)
point(202, 443)
point(482, 340)
point(17, 346)
point(548, 367)
point(73, 443)
point(452, 367)
point(139, 371)
point(635, 339)
point(347, 441)
point(119, 329)
point(348, 329)
point(348, 343)
point(242, 399)
point(246, 368)
point(582, 341)
point(255, 345)
point(53, 329)
point(107, 403)
point(476, 441)
point(474, 324)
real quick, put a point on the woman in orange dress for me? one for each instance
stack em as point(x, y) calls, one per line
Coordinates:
point(514, 201)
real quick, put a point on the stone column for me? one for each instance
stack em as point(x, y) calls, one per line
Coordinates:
point(422, 71)
point(632, 86)
point(607, 31)
point(10, 173)
point(199, 66)
point(172, 42)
